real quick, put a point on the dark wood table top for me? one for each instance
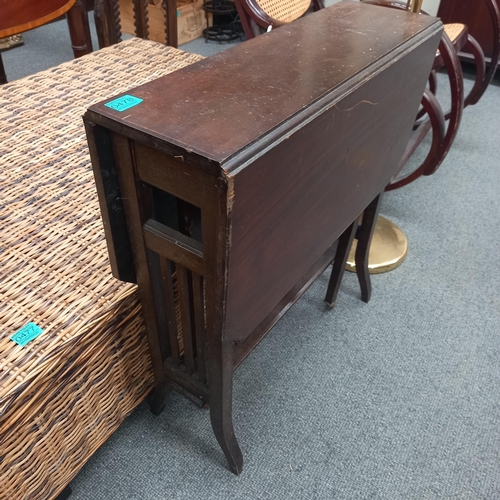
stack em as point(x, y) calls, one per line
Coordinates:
point(312, 59)
point(17, 16)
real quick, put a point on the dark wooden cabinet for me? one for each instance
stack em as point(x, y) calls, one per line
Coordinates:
point(225, 185)
point(474, 14)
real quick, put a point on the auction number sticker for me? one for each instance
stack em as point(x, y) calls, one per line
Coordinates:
point(124, 102)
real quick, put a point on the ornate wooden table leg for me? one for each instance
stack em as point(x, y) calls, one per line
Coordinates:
point(221, 400)
point(107, 22)
point(170, 7)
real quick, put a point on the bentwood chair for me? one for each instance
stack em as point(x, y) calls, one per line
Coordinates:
point(260, 15)
point(444, 124)
point(431, 117)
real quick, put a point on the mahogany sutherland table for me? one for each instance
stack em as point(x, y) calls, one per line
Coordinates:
point(224, 186)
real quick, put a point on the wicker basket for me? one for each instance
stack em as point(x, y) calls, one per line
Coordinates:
point(65, 392)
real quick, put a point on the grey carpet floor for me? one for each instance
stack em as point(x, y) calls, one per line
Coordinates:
point(395, 399)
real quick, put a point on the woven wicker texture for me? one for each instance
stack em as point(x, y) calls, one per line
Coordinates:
point(454, 30)
point(65, 392)
point(284, 11)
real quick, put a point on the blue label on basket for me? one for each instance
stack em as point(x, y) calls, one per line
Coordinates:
point(26, 333)
point(123, 103)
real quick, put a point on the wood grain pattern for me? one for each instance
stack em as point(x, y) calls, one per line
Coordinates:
point(23, 15)
point(480, 19)
point(310, 61)
point(294, 201)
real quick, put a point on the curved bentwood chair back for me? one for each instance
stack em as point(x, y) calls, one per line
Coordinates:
point(262, 15)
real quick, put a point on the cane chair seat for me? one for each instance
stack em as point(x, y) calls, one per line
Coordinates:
point(258, 16)
point(65, 392)
point(455, 31)
point(458, 34)
point(284, 11)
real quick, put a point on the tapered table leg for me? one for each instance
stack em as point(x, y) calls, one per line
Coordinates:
point(79, 30)
point(343, 248)
point(221, 401)
point(363, 249)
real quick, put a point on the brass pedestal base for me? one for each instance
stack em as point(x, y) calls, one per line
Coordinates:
point(387, 251)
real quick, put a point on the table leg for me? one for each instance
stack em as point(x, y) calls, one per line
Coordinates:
point(343, 248)
point(3, 76)
point(159, 398)
point(364, 238)
point(79, 30)
point(221, 400)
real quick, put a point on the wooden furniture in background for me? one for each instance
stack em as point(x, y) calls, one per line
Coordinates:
point(444, 125)
point(258, 16)
point(23, 15)
point(107, 17)
point(390, 245)
point(457, 38)
point(479, 17)
point(276, 147)
point(190, 20)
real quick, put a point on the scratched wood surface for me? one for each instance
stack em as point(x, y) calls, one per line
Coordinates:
point(251, 89)
point(306, 144)
point(294, 201)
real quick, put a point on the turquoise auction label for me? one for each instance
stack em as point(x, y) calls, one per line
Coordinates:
point(26, 333)
point(123, 103)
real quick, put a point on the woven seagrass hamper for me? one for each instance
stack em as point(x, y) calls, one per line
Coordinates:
point(66, 391)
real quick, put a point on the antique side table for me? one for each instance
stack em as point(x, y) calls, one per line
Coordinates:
point(224, 185)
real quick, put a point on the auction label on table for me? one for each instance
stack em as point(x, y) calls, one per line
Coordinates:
point(26, 333)
point(124, 102)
